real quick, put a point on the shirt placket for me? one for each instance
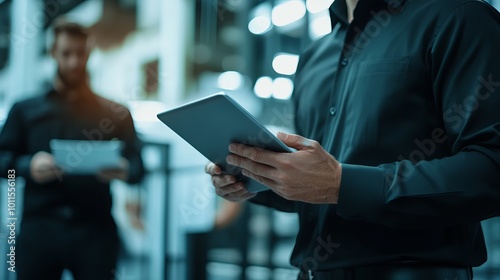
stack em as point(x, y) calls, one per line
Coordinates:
point(341, 80)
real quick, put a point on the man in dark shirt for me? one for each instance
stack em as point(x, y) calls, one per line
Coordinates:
point(403, 97)
point(67, 222)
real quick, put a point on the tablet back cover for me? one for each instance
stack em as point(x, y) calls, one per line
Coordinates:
point(212, 123)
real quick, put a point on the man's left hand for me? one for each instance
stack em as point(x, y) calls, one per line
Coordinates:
point(310, 174)
point(120, 173)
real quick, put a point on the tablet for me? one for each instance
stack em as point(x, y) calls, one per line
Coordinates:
point(210, 124)
point(86, 157)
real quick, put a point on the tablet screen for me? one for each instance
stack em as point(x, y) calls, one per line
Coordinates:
point(86, 156)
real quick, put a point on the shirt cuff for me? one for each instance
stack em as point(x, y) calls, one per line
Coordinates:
point(270, 199)
point(361, 192)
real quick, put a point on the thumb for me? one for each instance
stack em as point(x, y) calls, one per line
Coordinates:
point(294, 141)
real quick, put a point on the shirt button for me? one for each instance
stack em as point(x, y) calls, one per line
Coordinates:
point(344, 61)
point(332, 111)
point(66, 213)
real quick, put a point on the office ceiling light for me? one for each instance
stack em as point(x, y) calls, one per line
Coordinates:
point(263, 87)
point(316, 6)
point(145, 110)
point(285, 63)
point(230, 80)
point(259, 25)
point(87, 13)
point(282, 88)
point(288, 12)
point(319, 25)
point(260, 22)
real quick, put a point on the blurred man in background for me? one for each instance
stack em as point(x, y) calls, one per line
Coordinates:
point(67, 222)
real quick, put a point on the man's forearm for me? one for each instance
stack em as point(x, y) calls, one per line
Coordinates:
point(454, 190)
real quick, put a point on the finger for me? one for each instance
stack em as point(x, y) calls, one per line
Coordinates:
point(45, 174)
point(114, 174)
point(239, 196)
point(45, 167)
point(253, 153)
point(229, 189)
point(103, 178)
point(124, 163)
point(105, 171)
point(212, 169)
point(254, 167)
point(45, 170)
point(221, 181)
point(113, 170)
point(261, 179)
point(295, 141)
point(40, 175)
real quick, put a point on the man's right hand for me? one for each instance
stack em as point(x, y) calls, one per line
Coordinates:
point(226, 185)
point(43, 168)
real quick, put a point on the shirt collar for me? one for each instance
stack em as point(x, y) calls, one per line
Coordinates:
point(338, 9)
point(51, 93)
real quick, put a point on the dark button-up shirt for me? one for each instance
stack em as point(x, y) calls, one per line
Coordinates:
point(407, 98)
point(31, 125)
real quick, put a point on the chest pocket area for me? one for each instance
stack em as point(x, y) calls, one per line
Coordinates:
point(381, 67)
point(379, 83)
point(378, 93)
